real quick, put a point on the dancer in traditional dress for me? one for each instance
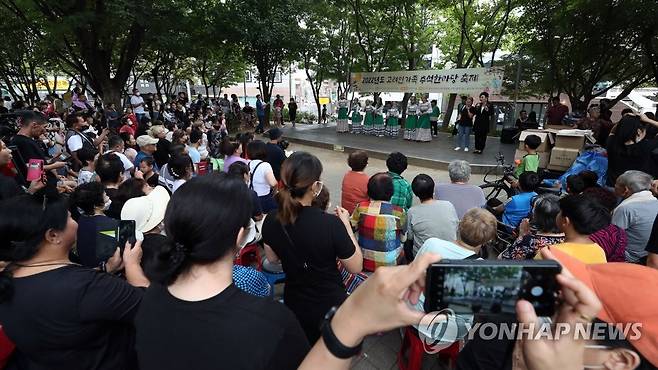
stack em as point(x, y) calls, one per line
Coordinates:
point(411, 121)
point(356, 117)
point(424, 128)
point(378, 127)
point(342, 124)
point(369, 121)
point(393, 121)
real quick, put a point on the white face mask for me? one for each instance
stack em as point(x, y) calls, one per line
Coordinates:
point(107, 204)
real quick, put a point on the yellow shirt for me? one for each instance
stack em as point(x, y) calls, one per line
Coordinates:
point(587, 253)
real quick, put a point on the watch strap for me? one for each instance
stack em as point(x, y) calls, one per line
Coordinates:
point(333, 344)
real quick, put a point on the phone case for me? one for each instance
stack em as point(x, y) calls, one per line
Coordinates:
point(34, 169)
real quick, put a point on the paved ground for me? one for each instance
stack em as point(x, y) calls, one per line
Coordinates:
point(379, 352)
point(335, 166)
point(435, 154)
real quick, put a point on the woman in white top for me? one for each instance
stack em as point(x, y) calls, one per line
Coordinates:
point(262, 179)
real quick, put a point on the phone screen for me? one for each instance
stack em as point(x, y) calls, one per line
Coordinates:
point(492, 287)
point(126, 233)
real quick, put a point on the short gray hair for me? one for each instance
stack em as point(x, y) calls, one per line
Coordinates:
point(635, 181)
point(459, 171)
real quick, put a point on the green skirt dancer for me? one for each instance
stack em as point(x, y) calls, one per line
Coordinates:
point(392, 126)
point(342, 125)
point(424, 128)
point(410, 127)
point(356, 122)
point(368, 123)
point(379, 129)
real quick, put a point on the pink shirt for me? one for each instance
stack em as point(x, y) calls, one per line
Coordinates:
point(354, 190)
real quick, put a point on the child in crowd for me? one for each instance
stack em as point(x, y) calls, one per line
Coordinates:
point(87, 174)
point(519, 206)
point(530, 161)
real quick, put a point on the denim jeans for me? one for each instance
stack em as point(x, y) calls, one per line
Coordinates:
point(463, 136)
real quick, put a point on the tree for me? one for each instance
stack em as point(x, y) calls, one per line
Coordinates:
point(416, 31)
point(472, 30)
point(269, 32)
point(99, 39)
point(580, 44)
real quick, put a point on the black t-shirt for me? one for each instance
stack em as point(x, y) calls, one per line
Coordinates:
point(114, 210)
point(161, 155)
point(639, 156)
point(71, 317)
point(464, 119)
point(232, 330)
point(9, 188)
point(652, 244)
point(275, 157)
point(30, 149)
point(318, 239)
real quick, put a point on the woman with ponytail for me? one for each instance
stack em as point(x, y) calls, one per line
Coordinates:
point(195, 317)
point(308, 242)
point(61, 315)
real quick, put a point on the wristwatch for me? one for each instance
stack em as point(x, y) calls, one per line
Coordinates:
point(333, 344)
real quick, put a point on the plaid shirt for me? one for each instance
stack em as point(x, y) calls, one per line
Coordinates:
point(380, 225)
point(402, 195)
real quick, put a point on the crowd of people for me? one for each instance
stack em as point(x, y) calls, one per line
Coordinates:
point(70, 297)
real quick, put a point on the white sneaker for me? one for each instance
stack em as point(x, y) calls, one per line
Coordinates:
point(457, 148)
point(466, 149)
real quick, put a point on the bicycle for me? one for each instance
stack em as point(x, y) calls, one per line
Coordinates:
point(503, 173)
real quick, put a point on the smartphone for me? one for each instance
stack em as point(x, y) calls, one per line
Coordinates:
point(125, 233)
point(64, 156)
point(491, 287)
point(34, 169)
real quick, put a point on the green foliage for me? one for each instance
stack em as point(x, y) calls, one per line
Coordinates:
point(580, 43)
point(267, 32)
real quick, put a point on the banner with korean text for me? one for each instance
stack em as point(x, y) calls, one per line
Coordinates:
point(461, 80)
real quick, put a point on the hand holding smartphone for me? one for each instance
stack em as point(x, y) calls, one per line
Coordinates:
point(491, 287)
point(34, 169)
point(125, 233)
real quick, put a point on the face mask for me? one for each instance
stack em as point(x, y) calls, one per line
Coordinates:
point(106, 206)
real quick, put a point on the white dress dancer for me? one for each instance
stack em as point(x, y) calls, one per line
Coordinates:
point(392, 122)
point(342, 124)
point(410, 123)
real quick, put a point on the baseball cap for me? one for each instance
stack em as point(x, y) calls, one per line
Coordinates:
point(628, 294)
point(144, 140)
point(156, 130)
point(274, 133)
point(148, 211)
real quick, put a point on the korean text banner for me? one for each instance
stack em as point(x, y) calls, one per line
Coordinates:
point(462, 80)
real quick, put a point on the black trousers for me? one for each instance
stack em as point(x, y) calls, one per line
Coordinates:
point(480, 136)
point(435, 127)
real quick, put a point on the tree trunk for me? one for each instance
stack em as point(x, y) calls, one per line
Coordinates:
point(448, 112)
point(214, 91)
point(317, 104)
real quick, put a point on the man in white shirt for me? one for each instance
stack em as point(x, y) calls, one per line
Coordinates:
point(137, 103)
point(116, 145)
point(76, 139)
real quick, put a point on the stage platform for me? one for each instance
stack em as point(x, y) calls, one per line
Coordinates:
point(436, 154)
